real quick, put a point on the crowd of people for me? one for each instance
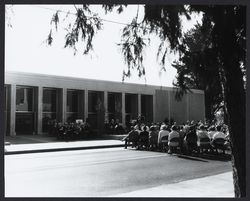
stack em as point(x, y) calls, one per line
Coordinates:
point(113, 127)
point(81, 130)
point(70, 130)
point(189, 138)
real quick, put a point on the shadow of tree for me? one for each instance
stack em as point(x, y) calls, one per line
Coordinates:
point(204, 157)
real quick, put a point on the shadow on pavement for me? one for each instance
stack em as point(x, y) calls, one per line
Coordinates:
point(195, 157)
point(205, 157)
point(218, 157)
point(191, 158)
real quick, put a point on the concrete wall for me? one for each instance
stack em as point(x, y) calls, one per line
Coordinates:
point(196, 107)
point(191, 106)
point(178, 109)
point(162, 99)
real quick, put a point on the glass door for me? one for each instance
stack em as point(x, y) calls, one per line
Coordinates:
point(25, 110)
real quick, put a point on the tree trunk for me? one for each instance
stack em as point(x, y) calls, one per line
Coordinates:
point(234, 95)
point(235, 105)
point(208, 106)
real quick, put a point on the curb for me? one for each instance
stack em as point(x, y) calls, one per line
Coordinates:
point(60, 149)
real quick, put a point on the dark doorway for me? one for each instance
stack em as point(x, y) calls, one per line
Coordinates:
point(147, 108)
point(25, 110)
point(131, 107)
point(115, 106)
point(96, 109)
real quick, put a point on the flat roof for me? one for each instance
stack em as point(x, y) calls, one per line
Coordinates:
point(35, 78)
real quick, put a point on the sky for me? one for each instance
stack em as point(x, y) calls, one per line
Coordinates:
point(27, 51)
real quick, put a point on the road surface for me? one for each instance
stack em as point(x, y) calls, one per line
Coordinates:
point(102, 172)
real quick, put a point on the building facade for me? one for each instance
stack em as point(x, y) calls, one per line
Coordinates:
point(32, 100)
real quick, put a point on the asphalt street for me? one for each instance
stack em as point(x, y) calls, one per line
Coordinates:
point(102, 172)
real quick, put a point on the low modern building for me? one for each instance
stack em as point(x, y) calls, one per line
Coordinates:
point(32, 100)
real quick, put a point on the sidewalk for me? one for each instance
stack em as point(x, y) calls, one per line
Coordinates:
point(37, 144)
point(220, 185)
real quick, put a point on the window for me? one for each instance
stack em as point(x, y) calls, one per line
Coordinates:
point(72, 105)
point(72, 101)
point(147, 108)
point(95, 108)
point(49, 100)
point(115, 106)
point(95, 101)
point(25, 119)
point(131, 106)
point(49, 108)
point(24, 99)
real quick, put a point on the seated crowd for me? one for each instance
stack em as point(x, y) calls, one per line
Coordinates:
point(78, 129)
point(189, 138)
point(70, 130)
point(113, 127)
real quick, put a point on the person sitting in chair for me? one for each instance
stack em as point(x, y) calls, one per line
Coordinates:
point(211, 132)
point(153, 137)
point(203, 139)
point(190, 140)
point(144, 138)
point(163, 138)
point(133, 136)
point(173, 140)
point(218, 140)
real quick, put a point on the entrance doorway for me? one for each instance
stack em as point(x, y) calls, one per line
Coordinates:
point(147, 108)
point(25, 110)
point(131, 107)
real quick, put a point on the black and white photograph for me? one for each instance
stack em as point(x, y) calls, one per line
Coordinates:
point(125, 100)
